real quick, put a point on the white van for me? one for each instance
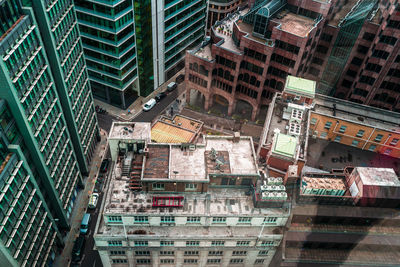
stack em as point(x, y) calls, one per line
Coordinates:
point(93, 201)
point(149, 104)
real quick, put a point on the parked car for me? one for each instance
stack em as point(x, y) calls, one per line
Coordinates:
point(104, 166)
point(160, 96)
point(149, 104)
point(180, 78)
point(93, 201)
point(85, 224)
point(171, 86)
point(79, 247)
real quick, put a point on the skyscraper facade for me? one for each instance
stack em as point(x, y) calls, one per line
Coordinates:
point(60, 34)
point(108, 34)
point(131, 48)
point(29, 235)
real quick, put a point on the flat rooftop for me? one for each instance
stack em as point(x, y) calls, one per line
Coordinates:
point(179, 129)
point(362, 114)
point(378, 176)
point(292, 23)
point(172, 161)
point(204, 52)
point(285, 145)
point(199, 233)
point(130, 130)
point(225, 30)
point(300, 86)
point(217, 201)
point(324, 183)
point(327, 155)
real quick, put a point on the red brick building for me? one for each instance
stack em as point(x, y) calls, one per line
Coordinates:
point(241, 64)
point(349, 47)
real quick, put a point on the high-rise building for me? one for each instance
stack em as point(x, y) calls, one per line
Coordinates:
point(44, 82)
point(349, 47)
point(159, 211)
point(60, 35)
point(131, 48)
point(29, 235)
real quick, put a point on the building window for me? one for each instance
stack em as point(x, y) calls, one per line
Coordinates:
point(192, 261)
point(360, 133)
point(167, 252)
point(190, 187)
point(166, 243)
point(143, 261)
point(270, 219)
point(115, 243)
point(167, 261)
point(259, 261)
point(239, 252)
point(328, 125)
point(192, 243)
point(217, 243)
point(219, 220)
point(141, 219)
point(119, 261)
point(141, 243)
point(244, 220)
point(213, 261)
point(338, 138)
point(215, 253)
point(158, 186)
point(115, 219)
point(117, 252)
point(167, 219)
point(236, 261)
point(267, 243)
point(313, 121)
point(387, 151)
point(193, 220)
point(372, 147)
point(142, 253)
point(378, 138)
point(355, 143)
point(323, 135)
point(342, 129)
point(263, 252)
point(191, 252)
point(394, 142)
point(242, 243)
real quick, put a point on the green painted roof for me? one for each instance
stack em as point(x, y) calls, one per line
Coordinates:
point(285, 145)
point(300, 86)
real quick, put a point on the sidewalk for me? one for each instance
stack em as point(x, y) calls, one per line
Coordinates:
point(136, 107)
point(81, 203)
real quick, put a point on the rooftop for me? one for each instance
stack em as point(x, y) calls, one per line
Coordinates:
point(224, 30)
point(295, 24)
point(217, 201)
point(285, 145)
point(182, 232)
point(328, 155)
point(300, 86)
point(179, 129)
point(204, 52)
point(245, 27)
point(362, 114)
point(130, 130)
point(378, 176)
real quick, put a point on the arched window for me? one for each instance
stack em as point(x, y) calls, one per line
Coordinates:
point(279, 86)
point(246, 78)
point(227, 75)
point(240, 77)
point(272, 83)
point(220, 72)
point(253, 80)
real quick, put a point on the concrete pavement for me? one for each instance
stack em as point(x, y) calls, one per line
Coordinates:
point(81, 203)
point(136, 107)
